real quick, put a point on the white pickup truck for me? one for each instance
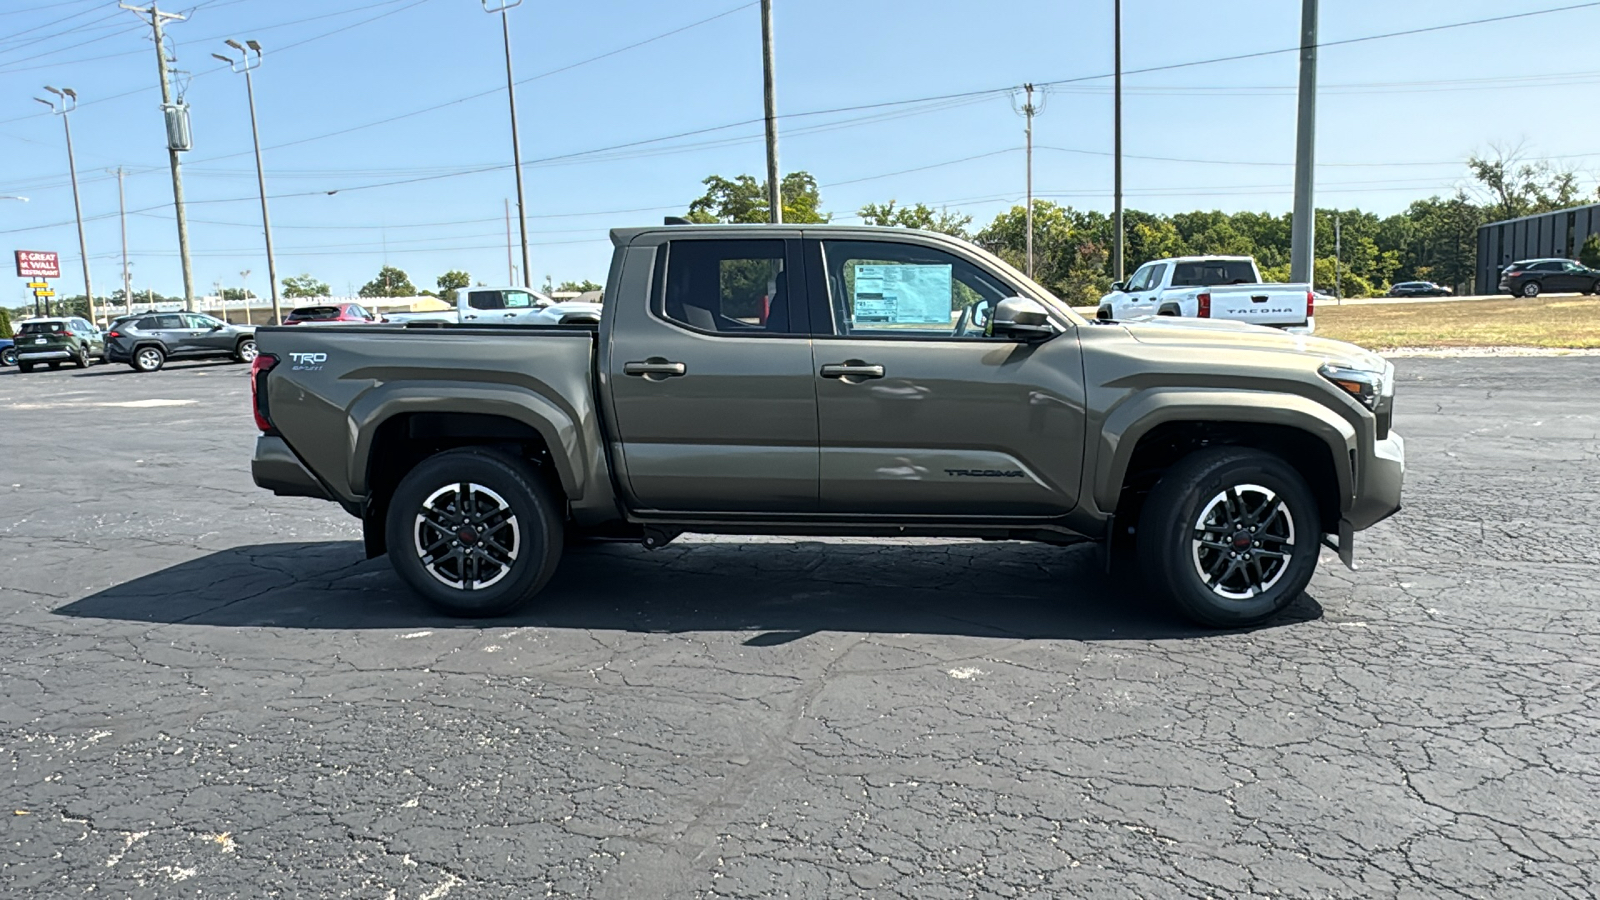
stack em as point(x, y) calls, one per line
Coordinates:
point(1211, 287)
point(486, 305)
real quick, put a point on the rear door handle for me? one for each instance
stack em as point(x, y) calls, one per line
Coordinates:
point(852, 370)
point(655, 367)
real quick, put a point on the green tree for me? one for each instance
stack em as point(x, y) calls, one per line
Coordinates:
point(580, 286)
point(450, 282)
point(743, 199)
point(1589, 253)
point(1515, 187)
point(391, 282)
point(5, 322)
point(1071, 248)
point(298, 287)
point(919, 215)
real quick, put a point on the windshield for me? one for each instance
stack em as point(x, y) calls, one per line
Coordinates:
point(1210, 273)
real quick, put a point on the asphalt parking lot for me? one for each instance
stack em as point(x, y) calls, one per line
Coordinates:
point(206, 691)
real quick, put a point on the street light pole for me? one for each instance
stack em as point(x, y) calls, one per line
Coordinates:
point(246, 64)
point(1029, 109)
point(769, 101)
point(122, 213)
point(66, 101)
point(502, 7)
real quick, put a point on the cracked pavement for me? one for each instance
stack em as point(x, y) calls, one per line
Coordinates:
point(206, 691)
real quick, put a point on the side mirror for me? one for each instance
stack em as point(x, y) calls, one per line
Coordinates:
point(1021, 319)
point(217, 327)
point(1118, 287)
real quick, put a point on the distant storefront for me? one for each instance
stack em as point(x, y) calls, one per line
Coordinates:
point(1553, 234)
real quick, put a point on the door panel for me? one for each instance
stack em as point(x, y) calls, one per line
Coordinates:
point(971, 428)
point(925, 415)
point(711, 390)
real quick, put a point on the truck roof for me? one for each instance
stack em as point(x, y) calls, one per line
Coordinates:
point(623, 236)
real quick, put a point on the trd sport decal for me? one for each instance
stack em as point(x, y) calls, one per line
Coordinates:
point(983, 473)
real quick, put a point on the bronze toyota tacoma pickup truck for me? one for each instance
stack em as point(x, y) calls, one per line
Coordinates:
point(829, 380)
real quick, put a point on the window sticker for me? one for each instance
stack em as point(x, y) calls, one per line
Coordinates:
point(902, 294)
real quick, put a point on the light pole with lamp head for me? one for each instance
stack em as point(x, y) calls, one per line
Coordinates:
point(248, 61)
point(66, 100)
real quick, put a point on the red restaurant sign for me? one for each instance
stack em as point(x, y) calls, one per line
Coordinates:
point(38, 264)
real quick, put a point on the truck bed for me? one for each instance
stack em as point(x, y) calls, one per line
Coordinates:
point(337, 382)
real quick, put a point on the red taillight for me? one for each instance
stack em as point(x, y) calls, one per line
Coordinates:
point(1205, 305)
point(258, 393)
point(113, 334)
point(1311, 304)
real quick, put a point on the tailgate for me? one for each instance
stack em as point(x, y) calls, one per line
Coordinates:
point(1260, 304)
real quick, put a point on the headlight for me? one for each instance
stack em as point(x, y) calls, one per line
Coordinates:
point(1365, 385)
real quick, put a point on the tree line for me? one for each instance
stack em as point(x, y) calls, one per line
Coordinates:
point(1434, 239)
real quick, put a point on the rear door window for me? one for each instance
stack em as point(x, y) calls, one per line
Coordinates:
point(728, 287)
point(485, 300)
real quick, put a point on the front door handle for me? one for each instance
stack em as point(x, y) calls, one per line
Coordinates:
point(655, 367)
point(852, 370)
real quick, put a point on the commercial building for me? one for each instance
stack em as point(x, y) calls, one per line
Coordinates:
point(1560, 233)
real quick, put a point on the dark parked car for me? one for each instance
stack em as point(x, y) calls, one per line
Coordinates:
point(1419, 289)
point(332, 314)
point(1532, 277)
point(146, 343)
point(54, 341)
point(8, 352)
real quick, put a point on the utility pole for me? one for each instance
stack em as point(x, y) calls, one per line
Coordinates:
point(246, 65)
point(122, 213)
point(222, 299)
point(66, 101)
point(501, 7)
point(1338, 262)
point(511, 266)
point(244, 299)
point(177, 115)
point(1116, 139)
point(769, 99)
point(1029, 109)
point(1303, 230)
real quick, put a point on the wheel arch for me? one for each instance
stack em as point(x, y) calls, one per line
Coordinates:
point(1142, 440)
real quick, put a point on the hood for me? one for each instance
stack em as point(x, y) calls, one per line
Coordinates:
point(1225, 334)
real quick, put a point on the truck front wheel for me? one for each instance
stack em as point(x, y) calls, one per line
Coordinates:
point(1230, 535)
point(474, 531)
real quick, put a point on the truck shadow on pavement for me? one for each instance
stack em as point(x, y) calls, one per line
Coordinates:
point(777, 591)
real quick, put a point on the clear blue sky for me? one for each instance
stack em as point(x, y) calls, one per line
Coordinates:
point(1396, 118)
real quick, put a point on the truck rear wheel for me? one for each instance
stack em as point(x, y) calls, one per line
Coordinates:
point(1230, 535)
point(474, 531)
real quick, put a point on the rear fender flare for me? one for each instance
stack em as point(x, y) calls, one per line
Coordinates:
point(561, 434)
point(1133, 419)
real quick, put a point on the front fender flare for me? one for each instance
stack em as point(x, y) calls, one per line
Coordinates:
point(1133, 419)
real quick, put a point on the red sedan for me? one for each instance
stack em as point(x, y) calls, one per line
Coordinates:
point(333, 314)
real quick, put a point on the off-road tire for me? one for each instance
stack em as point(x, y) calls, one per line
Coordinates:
point(519, 490)
point(81, 359)
point(1168, 532)
point(24, 367)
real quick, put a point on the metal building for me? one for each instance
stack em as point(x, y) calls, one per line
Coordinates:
point(1554, 234)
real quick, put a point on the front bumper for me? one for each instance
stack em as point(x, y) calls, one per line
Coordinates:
point(1381, 479)
point(277, 468)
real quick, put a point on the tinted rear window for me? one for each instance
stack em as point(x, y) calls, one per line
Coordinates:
point(1209, 274)
point(315, 313)
point(43, 327)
